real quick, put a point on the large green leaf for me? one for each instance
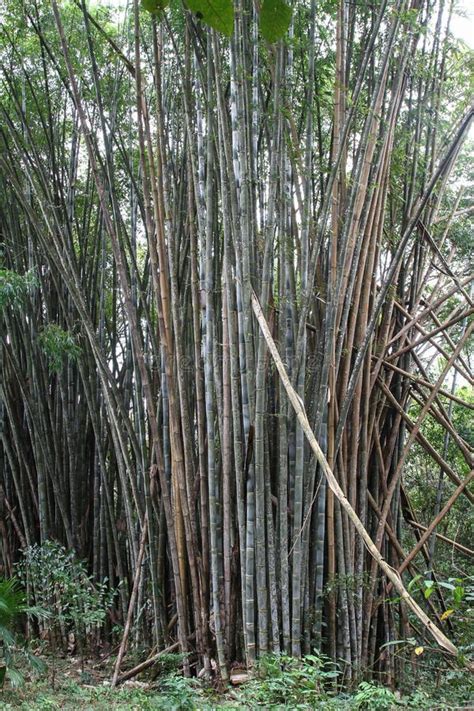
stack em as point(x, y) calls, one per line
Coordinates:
point(275, 18)
point(218, 14)
point(155, 6)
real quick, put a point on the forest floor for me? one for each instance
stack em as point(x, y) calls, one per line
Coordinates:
point(70, 684)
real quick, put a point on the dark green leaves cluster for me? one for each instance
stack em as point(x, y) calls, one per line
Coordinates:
point(275, 18)
point(15, 287)
point(275, 15)
point(155, 6)
point(57, 345)
point(218, 14)
point(12, 607)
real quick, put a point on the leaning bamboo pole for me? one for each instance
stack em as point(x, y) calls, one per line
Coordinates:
point(300, 412)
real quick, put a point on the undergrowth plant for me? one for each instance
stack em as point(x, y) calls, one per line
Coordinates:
point(58, 582)
point(372, 697)
point(178, 692)
point(284, 680)
point(13, 651)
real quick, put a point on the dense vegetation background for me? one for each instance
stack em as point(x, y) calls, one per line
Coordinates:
point(161, 179)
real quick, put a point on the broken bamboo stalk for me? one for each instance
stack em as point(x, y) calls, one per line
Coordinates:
point(133, 599)
point(143, 666)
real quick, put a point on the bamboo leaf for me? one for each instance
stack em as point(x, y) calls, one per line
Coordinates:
point(275, 18)
point(218, 14)
point(429, 588)
point(413, 582)
point(448, 586)
point(393, 642)
point(446, 614)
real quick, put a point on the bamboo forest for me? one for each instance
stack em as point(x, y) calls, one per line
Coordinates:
point(236, 320)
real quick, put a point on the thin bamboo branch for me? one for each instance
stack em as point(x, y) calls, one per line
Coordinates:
point(458, 546)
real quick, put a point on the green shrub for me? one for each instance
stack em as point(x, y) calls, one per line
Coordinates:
point(176, 692)
point(58, 582)
point(284, 680)
point(371, 697)
point(58, 345)
point(14, 287)
point(12, 652)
